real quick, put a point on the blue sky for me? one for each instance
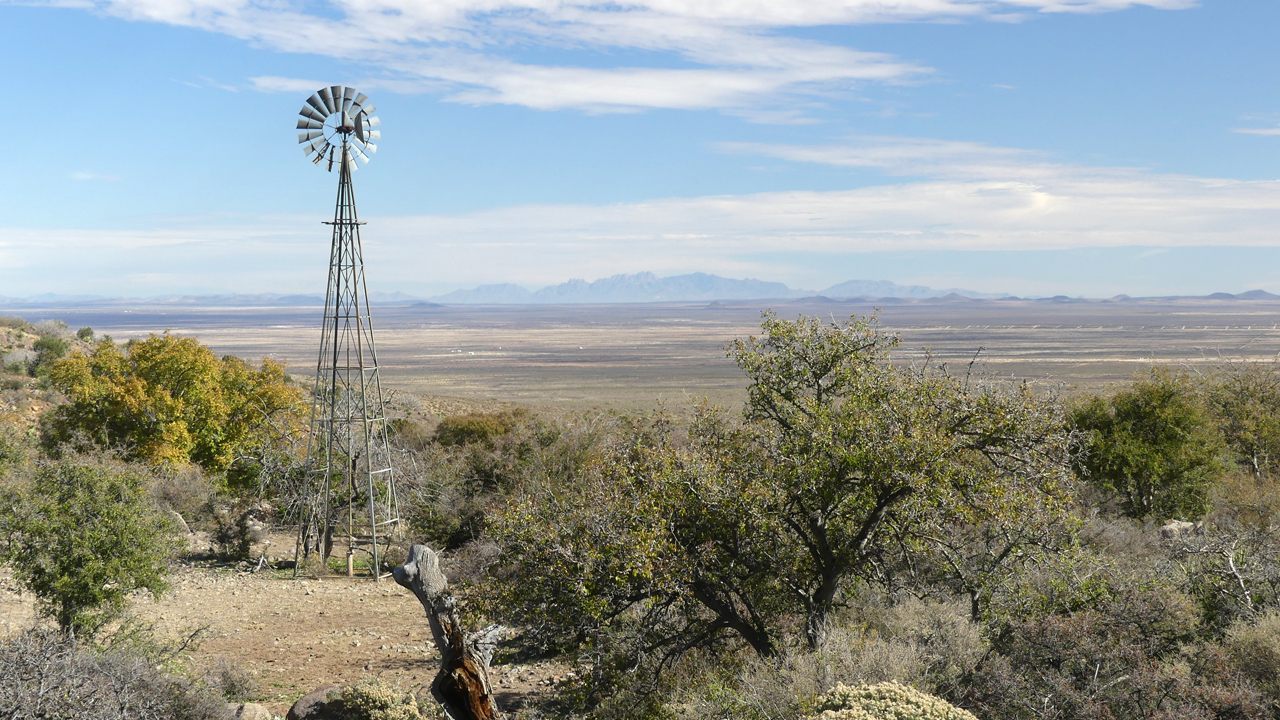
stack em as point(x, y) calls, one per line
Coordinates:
point(1040, 147)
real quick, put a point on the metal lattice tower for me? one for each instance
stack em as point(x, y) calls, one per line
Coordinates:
point(349, 492)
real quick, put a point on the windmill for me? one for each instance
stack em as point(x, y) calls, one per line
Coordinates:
point(349, 486)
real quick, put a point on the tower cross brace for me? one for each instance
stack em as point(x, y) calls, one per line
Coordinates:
point(349, 487)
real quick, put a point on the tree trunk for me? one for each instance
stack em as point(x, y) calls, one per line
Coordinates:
point(462, 684)
point(818, 613)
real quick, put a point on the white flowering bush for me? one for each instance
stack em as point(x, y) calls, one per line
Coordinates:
point(375, 700)
point(885, 701)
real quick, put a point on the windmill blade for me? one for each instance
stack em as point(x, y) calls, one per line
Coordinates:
point(355, 152)
point(304, 137)
point(319, 157)
point(315, 102)
point(347, 95)
point(360, 98)
point(310, 114)
point(317, 145)
point(327, 99)
point(331, 151)
point(305, 124)
point(373, 135)
point(369, 110)
point(335, 92)
point(375, 122)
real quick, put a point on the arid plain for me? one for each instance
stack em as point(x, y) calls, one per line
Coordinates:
point(293, 636)
point(629, 356)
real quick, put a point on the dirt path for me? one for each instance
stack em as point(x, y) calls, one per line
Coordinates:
point(295, 635)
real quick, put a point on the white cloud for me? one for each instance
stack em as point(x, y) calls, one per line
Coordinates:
point(911, 156)
point(1258, 131)
point(220, 86)
point(726, 54)
point(968, 196)
point(274, 84)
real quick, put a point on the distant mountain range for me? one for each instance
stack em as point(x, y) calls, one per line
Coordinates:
point(636, 288)
point(647, 287)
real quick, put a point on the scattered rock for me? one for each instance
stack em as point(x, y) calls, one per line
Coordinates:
point(315, 705)
point(1174, 529)
point(250, 711)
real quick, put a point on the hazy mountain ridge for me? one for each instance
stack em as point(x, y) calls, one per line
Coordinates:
point(648, 287)
point(636, 288)
point(643, 287)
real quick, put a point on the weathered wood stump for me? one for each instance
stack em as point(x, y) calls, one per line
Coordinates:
point(462, 684)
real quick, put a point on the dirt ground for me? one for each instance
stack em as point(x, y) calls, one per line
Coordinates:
point(294, 635)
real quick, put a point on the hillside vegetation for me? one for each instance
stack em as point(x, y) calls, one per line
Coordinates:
point(868, 536)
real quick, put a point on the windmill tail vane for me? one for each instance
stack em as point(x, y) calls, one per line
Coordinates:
point(349, 492)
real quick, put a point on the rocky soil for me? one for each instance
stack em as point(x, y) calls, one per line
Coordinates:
point(294, 635)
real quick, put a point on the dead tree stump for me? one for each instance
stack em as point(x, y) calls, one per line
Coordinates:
point(462, 684)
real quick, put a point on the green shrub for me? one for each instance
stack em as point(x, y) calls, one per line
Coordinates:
point(1154, 447)
point(49, 349)
point(85, 333)
point(82, 538)
point(476, 427)
point(13, 449)
point(886, 701)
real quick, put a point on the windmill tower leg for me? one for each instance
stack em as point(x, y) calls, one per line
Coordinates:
point(349, 490)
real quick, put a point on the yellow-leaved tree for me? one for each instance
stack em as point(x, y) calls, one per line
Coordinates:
point(170, 400)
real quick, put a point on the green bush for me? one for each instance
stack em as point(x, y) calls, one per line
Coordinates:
point(49, 349)
point(13, 449)
point(1154, 447)
point(85, 333)
point(886, 701)
point(82, 538)
point(476, 427)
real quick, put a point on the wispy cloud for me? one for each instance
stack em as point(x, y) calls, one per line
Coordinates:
point(210, 82)
point(730, 55)
point(275, 84)
point(902, 156)
point(956, 197)
point(1258, 131)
